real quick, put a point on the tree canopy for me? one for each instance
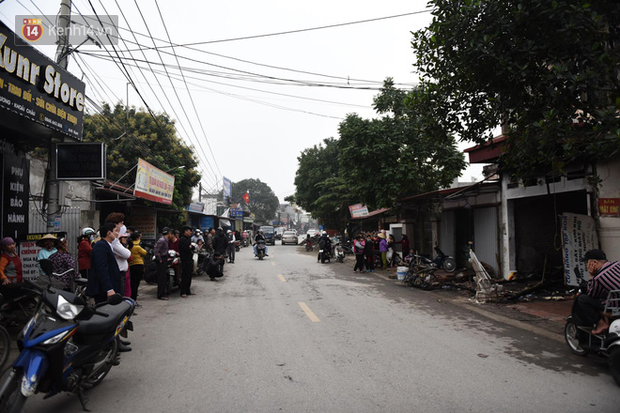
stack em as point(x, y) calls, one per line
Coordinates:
point(320, 187)
point(547, 69)
point(134, 134)
point(263, 201)
point(376, 161)
point(400, 154)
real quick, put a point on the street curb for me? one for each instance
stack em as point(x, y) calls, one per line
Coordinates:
point(476, 308)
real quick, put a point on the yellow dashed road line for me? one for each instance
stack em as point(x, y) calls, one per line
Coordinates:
point(309, 313)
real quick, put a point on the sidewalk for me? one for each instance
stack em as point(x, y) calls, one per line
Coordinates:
point(543, 316)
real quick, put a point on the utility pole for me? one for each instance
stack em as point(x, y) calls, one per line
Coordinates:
point(52, 190)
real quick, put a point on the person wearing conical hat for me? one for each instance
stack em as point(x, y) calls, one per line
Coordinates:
point(48, 244)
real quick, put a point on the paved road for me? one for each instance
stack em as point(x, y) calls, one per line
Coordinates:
point(289, 335)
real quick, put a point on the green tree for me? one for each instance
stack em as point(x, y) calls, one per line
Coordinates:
point(134, 134)
point(546, 69)
point(263, 201)
point(320, 187)
point(402, 153)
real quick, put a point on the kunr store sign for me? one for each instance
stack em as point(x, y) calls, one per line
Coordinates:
point(34, 87)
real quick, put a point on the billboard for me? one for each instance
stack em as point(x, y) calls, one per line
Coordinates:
point(153, 184)
point(358, 211)
point(36, 88)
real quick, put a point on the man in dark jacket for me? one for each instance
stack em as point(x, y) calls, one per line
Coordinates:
point(220, 243)
point(214, 266)
point(103, 280)
point(187, 260)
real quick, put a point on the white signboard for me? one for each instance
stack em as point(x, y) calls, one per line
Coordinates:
point(579, 236)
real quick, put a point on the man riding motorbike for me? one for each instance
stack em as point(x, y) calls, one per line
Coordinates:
point(260, 236)
point(605, 277)
point(324, 244)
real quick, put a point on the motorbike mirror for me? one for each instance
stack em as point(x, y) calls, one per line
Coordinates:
point(115, 299)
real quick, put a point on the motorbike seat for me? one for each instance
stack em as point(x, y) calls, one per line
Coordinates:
point(99, 324)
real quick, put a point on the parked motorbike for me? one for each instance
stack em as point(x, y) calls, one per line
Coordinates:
point(443, 261)
point(260, 249)
point(66, 346)
point(582, 342)
point(237, 245)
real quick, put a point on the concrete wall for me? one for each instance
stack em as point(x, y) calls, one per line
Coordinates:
point(610, 226)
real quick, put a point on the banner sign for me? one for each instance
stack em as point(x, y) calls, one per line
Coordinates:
point(358, 211)
point(227, 187)
point(36, 88)
point(144, 220)
point(206, 223)
point(579, 235)
point(196, 207)
point(609, 207)
point(153, 184)
point(15, 191)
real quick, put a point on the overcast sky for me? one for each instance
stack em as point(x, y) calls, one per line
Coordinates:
point(252, 92)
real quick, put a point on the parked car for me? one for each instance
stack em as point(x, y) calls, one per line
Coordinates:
point(289, 237)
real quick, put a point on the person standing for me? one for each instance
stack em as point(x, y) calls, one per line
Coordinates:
point(10, 263)
point(64, 265)
point(231, 246)
point(209, 240)
point(121, 253)
point(369, 254)
point(187, 260)
point(160, 251)
point(220, 244)
point(358, 248)
point(104, 277)
point(383, 249)
point(136, 265)
point(85, 248)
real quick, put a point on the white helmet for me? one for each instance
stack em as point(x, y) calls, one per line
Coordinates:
point(88, 231)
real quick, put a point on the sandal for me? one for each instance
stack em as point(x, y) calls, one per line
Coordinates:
point(183, 295)
point(162, 298)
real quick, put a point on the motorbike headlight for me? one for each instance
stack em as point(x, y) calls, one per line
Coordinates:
point(67, 310)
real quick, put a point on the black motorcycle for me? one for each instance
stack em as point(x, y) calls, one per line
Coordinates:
point(260, 249)
point(67, 346)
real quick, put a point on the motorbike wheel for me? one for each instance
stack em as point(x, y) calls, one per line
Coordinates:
point(260, 255)
point(323, 258)
point(614, 363)
point(170, 283)
point(12, 400)
point(111, 355)
point(448, 265)
point(5, 347)
point(571, 335)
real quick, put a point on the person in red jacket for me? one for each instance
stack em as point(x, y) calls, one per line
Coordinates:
point(85, 248)
point(10, 263)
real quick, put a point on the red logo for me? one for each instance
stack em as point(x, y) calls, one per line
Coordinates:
point(32, 29)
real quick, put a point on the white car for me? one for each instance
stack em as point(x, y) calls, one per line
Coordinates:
point(311, 232)
point(289, 237)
